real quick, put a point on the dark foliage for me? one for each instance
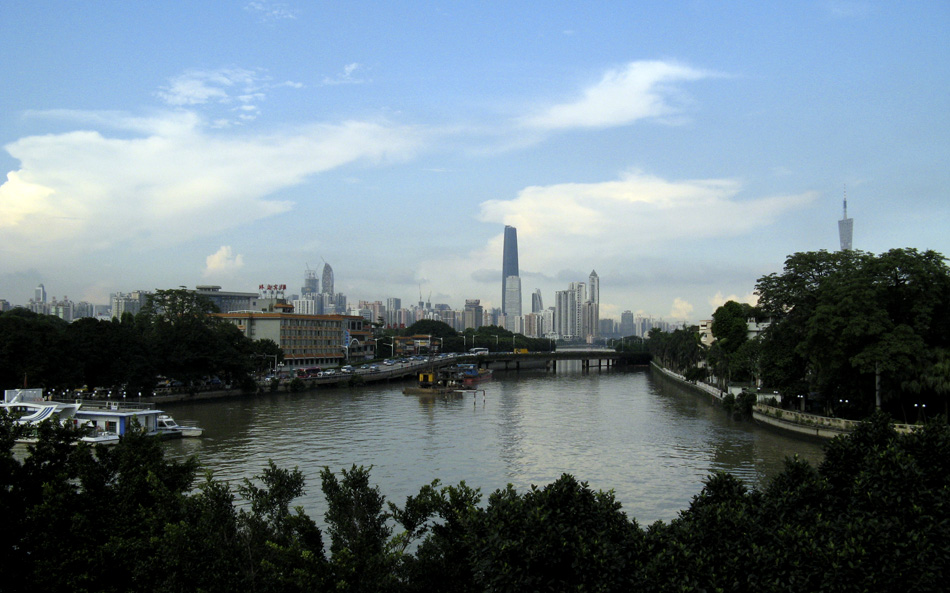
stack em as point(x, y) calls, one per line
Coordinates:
point(874, 516)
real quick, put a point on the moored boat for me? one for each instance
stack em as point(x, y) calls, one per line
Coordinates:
point(102, 421)
point(472, 375)
point(168, 427)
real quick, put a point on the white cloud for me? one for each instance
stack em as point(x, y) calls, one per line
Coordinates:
point(578, 225)
point(224, 86)
point(347, 77)
point(719, 300)
point(639, 90)
point(196, 87)
point(681, 309)
point(171, 181)
point(223, 262)
point(271, 11)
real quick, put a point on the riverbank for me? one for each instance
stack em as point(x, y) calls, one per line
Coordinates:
point(789, 421)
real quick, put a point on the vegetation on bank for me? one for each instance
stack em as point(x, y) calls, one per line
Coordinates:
point(174, 338)
point(847, 332)
point(873, 516)
point(493, 337)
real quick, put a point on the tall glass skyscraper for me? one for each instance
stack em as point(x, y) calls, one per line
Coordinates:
point(327, 279)
point(509, 267)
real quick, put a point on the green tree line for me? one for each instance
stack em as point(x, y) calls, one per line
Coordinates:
point(850, 330)
point(493, 337)
point(174, 336)
point(873, 516)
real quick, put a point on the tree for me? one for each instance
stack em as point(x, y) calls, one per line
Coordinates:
point(858, 328)
point(430, 327)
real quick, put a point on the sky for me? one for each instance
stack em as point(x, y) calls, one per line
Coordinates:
point(681, 149)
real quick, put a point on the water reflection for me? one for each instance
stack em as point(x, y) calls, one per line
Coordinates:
point(643, 437)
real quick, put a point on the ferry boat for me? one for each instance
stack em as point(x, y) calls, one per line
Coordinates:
point(103, 421)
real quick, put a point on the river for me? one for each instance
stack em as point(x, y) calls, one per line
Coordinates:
point(646, 438)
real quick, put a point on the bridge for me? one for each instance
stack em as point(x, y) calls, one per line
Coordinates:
point(589, 357)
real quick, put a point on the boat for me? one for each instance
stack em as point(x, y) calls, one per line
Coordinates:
point(168, 427)
point(442, 382)
point(102, 421)
point(29, 407)
point(472, 375)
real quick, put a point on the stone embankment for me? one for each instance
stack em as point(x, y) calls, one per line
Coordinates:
point(811, 425)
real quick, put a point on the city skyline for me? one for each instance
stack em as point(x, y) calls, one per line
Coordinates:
point(683, 150)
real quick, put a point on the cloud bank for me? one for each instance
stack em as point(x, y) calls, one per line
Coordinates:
point(576, 225)
point(640, 90)
point(166, 179)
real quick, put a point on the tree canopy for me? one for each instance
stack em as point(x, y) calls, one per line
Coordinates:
point(175, 336)
point(873, 516)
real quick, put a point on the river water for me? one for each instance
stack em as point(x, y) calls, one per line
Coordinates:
point(634, 432)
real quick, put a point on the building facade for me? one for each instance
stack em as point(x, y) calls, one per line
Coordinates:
point(308, 340)
point(509, 268)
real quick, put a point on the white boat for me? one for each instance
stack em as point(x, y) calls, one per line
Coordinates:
point(29, 407)
point(168, 426)
point(103, 421)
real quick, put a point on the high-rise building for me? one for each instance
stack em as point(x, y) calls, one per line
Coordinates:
point(311, 286)
point(512, 297)
point(39, 294)
point(509, 268)
point(327, 279)
point(593, 299)
point(845, 226)
point(627, 328)
point(536, 305)
point(472, 315)
point(593, 285)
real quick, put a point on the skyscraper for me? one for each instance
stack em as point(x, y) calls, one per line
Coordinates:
point(593, 301)
point(39, 294)
point(594, 285)
point(509, 268)
point(310, 287)
point(845, 226)
point(327, 279)
point(536, 305)
point(512, 301)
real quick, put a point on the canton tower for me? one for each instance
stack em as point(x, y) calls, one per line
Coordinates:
point(845, 226)
point(509, 268)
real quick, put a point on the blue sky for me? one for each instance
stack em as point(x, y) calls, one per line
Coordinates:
point(680, 149)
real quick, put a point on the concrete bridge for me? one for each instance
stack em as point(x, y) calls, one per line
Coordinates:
point(589, 357)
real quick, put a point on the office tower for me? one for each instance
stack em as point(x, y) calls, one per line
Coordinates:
point(39, 294)
point(472, 315)
point(512, 297)
point(627, 328)
point(536, 304)
point(594, 286)
point(509, 268)
point(578, 292)
point(513, 302)
point(563, 313)
point(845, 226)
point(327, 279)
point(593, 310)
point(311, 286)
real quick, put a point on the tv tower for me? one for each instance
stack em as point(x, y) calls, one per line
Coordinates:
point(845, 225)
